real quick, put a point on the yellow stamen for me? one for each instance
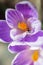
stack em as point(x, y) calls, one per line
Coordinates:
point(35, 56)
point(22, 26)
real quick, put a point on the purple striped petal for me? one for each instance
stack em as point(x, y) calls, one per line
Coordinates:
point(14, 48)
point(23, 58)
point(27, 9)
point(34, 39)
point(13, 17)
point(4, 31)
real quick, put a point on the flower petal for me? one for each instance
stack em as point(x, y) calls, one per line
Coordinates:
point(34, 39)
point(22, 58)
point(27, 9)
point(17, 34)
point(41, 52)
point(35, 24)
point(14, 48)
point(31, 63)
point(4, 31)
point(39, 62)
point(13, 17)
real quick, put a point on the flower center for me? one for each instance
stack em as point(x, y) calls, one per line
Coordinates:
point(23, 26)
point(35, 56)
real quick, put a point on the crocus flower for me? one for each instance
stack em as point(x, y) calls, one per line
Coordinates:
point(32, 35)
point(19, 21)
point(26, 31)
point(22, 23)
point(28, 56)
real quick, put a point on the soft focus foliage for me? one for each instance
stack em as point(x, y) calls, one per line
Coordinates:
point(5, 56)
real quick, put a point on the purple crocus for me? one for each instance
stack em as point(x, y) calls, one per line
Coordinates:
point(28, 33)
point(19, 21)
point(24, 28)
point(29, 56)
point(23, 21)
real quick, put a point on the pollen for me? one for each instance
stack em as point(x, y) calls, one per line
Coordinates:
point(35, 56)
point(22, 26)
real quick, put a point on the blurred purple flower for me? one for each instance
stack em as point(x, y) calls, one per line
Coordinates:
point(28, 56)
point(24, 28)
point(26, 32)
point(19, 21)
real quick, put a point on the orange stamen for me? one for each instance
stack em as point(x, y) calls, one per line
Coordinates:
point(22, 26)
point(35, 56)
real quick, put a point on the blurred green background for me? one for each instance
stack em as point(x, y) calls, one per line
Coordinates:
point(5, 56)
